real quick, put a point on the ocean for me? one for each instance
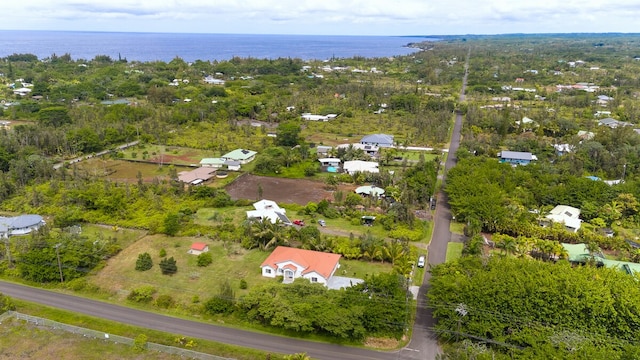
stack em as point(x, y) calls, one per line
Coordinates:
point(205, 47)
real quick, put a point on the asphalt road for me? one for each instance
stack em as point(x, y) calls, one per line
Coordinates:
point(188, 328)
point(424, 343)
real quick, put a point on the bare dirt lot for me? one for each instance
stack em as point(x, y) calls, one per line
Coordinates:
point(292, 191)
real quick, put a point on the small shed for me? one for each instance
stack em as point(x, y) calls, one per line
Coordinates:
point(198, 248)
point(368, 220)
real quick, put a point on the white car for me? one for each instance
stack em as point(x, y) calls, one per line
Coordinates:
point(421, 261)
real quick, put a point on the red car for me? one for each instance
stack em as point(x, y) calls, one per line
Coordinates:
point(298, 222)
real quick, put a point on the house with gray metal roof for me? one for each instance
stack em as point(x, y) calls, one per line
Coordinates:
point(20, 225)
point(379, 140)
point(516, 157)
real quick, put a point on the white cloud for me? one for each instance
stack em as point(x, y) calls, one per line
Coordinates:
point(375, 17)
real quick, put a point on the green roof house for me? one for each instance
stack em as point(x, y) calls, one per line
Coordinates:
point(242, 155)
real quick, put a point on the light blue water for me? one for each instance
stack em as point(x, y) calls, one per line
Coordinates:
point(331, 169)
point(191, 47)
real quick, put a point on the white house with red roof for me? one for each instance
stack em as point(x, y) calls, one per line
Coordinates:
point(292, 263)
point(198, 248)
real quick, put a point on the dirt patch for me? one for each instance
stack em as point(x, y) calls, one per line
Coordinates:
point(292, 191)
point(382, 343)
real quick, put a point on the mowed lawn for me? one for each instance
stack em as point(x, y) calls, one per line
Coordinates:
point(232, 264)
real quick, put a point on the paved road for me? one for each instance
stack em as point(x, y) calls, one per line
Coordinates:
point(424, 344)
point(188, 328)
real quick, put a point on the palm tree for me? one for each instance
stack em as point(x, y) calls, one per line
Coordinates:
point(266, 235)
point(507, 244)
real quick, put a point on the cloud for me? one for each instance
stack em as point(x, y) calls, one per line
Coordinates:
point(326, 16)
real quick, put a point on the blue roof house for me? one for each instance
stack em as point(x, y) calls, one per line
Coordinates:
point(516, 157)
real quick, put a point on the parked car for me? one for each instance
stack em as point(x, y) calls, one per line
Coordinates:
point(322, 223)
point(421, 261)
point(298, 222)
point(433, 203)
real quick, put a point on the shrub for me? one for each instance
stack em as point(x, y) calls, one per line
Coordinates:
point(144, 262)
point(243, 284)
point(168, 266)
point(218, 305)
point(6, 304)
point(140, 343)
point(163, 252)
point(143, 294)
point(205, 259)
point(165, 301)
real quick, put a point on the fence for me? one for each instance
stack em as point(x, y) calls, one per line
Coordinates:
point(190, 354)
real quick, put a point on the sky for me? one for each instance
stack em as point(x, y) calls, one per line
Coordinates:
point(324, 17)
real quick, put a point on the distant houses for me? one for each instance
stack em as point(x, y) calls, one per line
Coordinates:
point(314, 117)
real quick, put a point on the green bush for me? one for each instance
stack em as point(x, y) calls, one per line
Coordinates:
point(243, 284)
point(168, 266)
point(205, 259)
point(218, 305)
point(6, 304)
point(163, 252)
point(165, 301)
point(144, 262)
point(143, 294)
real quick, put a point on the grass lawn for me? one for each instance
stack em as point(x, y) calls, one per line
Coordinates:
point(124, 237)
point(454, 251)
point(124, 171)
point(360, 269)
point(456, 228)
point(169, 154)
point(218, 216)
point(233, 263)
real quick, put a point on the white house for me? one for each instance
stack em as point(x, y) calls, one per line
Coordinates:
point(567, 215)
point(352, 167)
point(267, 209)
point(292, 263)
point(213, 81)
point(314, 117)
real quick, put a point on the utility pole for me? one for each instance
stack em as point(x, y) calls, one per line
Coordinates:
point(8, 246)
point(59, 264)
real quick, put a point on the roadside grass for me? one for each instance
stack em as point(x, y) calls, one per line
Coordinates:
point(454, 251)
point(116, 328)
point(26, 341)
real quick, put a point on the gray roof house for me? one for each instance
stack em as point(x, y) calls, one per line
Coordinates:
point(20, 225)
point(516, 157)
point(380, 140)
